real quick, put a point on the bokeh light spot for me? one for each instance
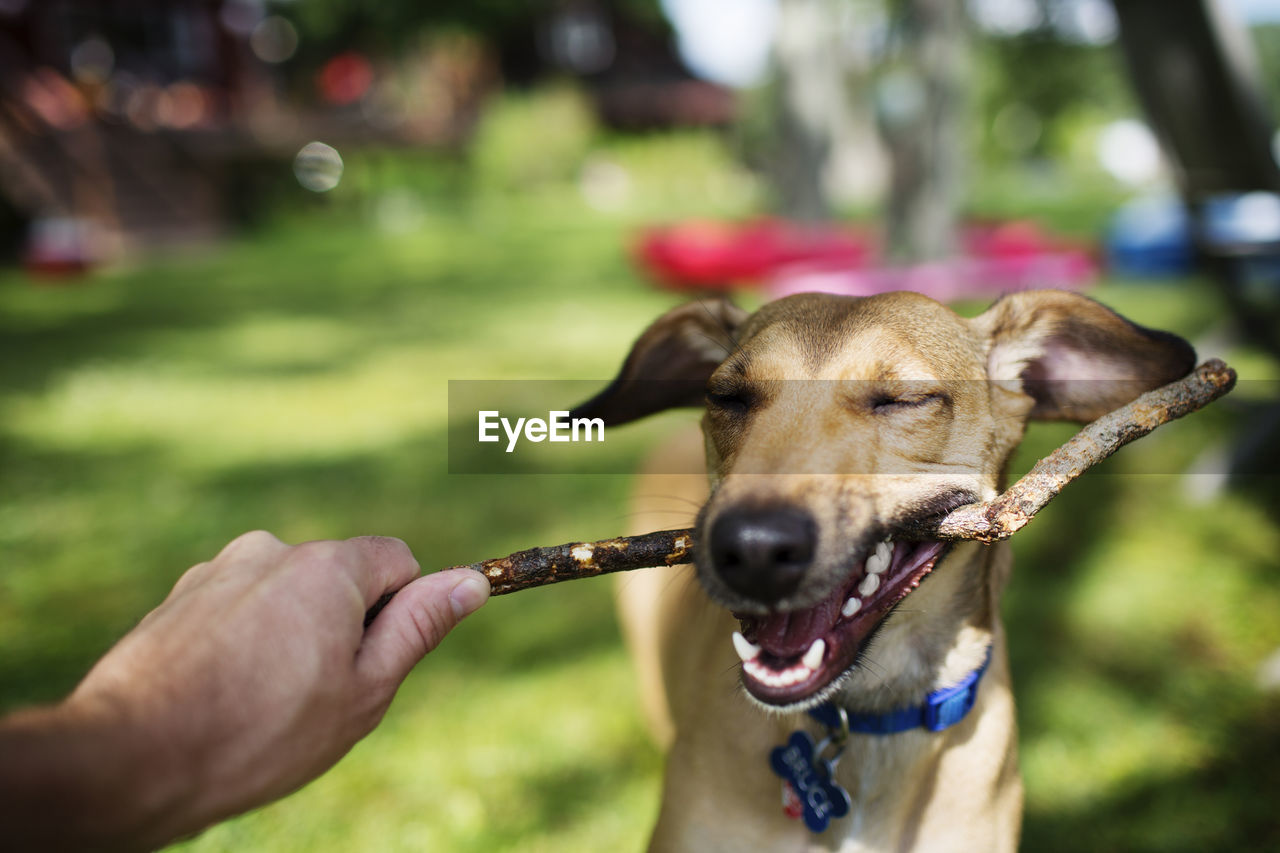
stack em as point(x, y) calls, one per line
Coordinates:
point(92, 60)
point(1128, 150)
point(318, 167)
point(274, 40)
point(346, 78)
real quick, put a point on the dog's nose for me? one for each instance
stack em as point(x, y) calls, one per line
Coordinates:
point(763, 553)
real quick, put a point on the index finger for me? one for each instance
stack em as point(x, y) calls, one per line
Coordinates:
point(382, 564)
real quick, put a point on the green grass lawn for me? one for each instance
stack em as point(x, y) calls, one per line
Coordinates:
point(297, 381)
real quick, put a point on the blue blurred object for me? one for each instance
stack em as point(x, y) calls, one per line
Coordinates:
point(1247, 228)
point(1249, 220)
point(1150, 237)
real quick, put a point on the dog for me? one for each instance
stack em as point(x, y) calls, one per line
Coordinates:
point(822, 680)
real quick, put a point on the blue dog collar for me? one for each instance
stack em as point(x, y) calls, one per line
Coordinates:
point(808, 770)
point(941, 709)
point(810, 791)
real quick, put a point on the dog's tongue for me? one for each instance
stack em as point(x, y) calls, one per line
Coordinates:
point(786, 635)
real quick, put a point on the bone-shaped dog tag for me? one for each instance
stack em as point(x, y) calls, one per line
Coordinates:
point(812, 786)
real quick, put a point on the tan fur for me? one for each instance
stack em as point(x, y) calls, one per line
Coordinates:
point(954, 790)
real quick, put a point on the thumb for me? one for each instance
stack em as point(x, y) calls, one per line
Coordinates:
point(417, 619)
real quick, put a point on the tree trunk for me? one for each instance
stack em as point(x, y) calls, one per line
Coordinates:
point(810, 92)
point(920, 106)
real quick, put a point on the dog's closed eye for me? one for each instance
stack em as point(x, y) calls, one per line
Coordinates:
point(889, 404)
point(731, 401)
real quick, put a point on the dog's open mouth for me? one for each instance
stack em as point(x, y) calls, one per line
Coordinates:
point(790, 657)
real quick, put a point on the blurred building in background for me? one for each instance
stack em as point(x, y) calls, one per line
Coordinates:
point(127, 123)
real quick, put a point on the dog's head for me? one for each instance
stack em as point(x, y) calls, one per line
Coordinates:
point(832, 422)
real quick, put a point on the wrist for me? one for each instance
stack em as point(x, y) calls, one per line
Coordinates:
point(84, 774)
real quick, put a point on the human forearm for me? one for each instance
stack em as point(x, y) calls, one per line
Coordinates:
point(80, 776)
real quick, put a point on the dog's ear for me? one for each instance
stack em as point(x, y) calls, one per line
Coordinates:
point(669, 363)
point(1077, 359)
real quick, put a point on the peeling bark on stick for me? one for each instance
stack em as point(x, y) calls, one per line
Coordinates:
point(538, 566)
point(990, 521)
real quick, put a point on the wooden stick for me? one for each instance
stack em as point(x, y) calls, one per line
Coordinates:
point(538, 566)
point(1009, 512)
point(990, 521)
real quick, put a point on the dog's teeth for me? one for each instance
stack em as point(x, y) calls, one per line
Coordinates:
point(745, 648)
point(794, 674)
point(869, 585)
point(785, 678)
point(850, 607)
point(880, 557)
point(813, 657)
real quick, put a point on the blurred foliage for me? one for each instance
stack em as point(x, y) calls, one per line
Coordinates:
point(1067, 198)
point(543, 148)
point(297, 381)
point(389, 26)
point(1042, 97)
point(1031, 87)
point(560, 120)
point(1266, 41)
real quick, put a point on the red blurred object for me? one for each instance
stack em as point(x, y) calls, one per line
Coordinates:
point(783, 258)
point(713, 255)
point(1019, 238)
point(345, 78)
point(60, 249)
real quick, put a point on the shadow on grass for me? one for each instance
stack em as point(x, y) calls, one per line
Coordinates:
point(439, 286)
point(1228, 803)
point(560, 798)
point(84, 563)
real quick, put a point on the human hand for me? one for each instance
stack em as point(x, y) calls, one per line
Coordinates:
point(255, 674)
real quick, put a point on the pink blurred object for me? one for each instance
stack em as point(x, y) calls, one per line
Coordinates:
point(702, 255)
point(783, 258)
point(945, 281)
point(999, 258)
